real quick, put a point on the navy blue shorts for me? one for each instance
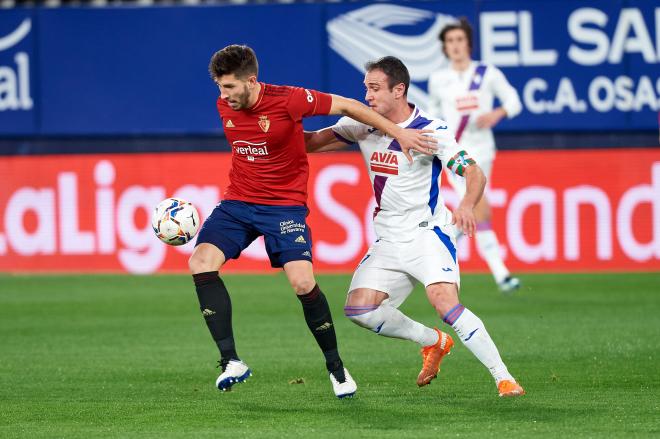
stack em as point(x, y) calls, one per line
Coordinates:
point(233, 225)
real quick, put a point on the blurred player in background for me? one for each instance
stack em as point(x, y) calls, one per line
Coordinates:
point(416, 235)
point(267, 196)
point(463, 94)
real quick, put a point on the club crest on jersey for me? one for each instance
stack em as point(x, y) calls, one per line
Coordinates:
point(264, 123)
point(384, 163)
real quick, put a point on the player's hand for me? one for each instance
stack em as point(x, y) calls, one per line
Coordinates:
point(417, 140)
point(490, 119)
point(464, 219)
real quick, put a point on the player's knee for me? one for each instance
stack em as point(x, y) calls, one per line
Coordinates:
point(199, 264)
point(194, 264)
point(205, 258)
point(443, 296)
point(370, 319)
point(302, 284)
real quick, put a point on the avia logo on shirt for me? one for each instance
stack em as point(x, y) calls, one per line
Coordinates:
point(249, 149)
point(384, 162)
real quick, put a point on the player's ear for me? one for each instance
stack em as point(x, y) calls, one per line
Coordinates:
point(399, 90)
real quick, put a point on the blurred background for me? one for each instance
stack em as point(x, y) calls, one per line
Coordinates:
point(106, 108)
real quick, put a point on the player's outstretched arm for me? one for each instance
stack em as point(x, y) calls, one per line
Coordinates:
point(463, 216)
point(323, 141)
point(407, 138)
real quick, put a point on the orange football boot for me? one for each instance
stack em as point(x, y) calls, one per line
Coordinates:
point(508, 388)
point(432, 356)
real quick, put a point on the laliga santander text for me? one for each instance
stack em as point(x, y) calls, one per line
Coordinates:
point(560, 210)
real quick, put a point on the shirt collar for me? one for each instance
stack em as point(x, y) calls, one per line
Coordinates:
point(412, 117)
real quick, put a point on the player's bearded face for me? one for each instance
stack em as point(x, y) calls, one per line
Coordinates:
point(235, 92)
point(243, 98)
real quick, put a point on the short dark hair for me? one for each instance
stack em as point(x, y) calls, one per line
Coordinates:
point(237, 59)
point(394, 68)
point(463, 25)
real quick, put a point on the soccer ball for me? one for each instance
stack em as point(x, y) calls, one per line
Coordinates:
point(175, 221)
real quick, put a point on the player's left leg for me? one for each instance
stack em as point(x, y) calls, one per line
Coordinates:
point(472, 332)
point(319, 321)
point(316, 310)
point(289, 245)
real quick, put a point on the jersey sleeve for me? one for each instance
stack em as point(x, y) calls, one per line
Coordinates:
point(304, 102)
point(505, 92)
point(347, 130)
point(453, 156)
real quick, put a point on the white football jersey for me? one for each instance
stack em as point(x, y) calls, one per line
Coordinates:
point(407, 194)
point(451, 98)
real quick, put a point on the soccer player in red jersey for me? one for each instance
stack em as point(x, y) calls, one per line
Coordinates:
point(267, 196)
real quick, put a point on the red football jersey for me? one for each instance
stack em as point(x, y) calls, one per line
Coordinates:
point(269, 160)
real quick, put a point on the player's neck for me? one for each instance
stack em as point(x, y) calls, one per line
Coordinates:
point(401, 113)
point(461, 65)
point(254, 96)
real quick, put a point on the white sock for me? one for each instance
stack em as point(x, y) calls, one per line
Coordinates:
point(489, 249)
point(388, 321)
point(472, 332)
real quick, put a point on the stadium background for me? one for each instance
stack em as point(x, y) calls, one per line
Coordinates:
point(106, 107)
point(91, 98)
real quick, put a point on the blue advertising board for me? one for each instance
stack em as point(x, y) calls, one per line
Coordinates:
point(143, 71)
point(576, 65)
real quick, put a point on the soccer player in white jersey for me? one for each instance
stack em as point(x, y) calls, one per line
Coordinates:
point(415, 230)
point(463, 94)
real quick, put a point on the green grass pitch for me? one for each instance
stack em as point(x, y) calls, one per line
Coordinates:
point(128, 356)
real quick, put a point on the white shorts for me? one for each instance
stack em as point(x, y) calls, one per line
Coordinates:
point(458, 183)
point(393, 268)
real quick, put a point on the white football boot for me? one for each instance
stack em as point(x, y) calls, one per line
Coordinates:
point(345, 389)
point(509, 285)
point(233, 372)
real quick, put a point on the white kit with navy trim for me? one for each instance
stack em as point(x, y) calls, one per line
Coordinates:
point(407, 195)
